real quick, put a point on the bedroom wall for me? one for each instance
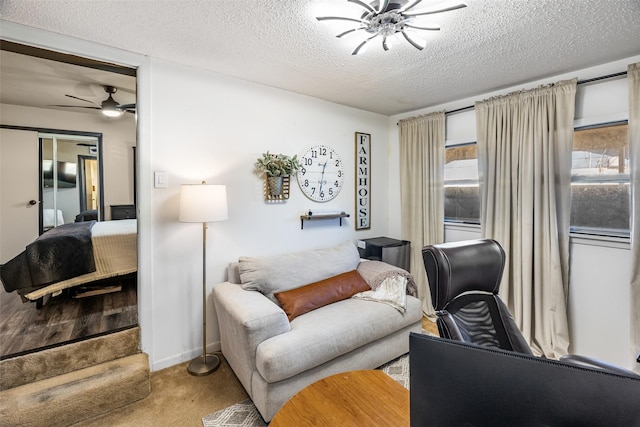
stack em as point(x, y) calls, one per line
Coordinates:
point(600, 267)
point(118, 138)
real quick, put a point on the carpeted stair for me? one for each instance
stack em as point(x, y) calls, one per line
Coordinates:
point(67, 384)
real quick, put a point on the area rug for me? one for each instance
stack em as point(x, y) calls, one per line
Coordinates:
point(245, 414)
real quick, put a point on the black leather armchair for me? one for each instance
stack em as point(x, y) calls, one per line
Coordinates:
point(457, 384)
point(464, 280)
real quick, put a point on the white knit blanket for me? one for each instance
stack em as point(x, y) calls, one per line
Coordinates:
point(391, 291)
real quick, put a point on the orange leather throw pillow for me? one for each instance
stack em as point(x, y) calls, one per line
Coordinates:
point(298, 301)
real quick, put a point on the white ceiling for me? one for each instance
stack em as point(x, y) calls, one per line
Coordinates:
point(489, 45)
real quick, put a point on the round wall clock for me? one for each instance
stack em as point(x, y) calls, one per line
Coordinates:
point(322, 173)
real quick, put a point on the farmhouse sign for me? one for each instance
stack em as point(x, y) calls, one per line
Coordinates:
point(363, 181)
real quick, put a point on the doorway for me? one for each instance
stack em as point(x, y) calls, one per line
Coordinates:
point(41, 106)
point(88, 183)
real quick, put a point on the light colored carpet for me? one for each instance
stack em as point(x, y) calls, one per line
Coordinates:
point(245, 414)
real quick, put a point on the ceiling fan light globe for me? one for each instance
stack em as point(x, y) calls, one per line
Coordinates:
point(112, 112)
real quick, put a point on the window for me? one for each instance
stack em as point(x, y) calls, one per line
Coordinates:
point(600, 180)
point(461, 189)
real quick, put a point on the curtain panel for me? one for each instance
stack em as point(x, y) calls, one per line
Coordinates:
point(633, 77)
point(524, 153)
point(422, 142)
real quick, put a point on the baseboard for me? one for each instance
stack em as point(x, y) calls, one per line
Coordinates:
point(186, 356)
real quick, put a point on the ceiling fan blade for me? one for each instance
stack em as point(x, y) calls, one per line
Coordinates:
point(127, 106)
point(431, 12)
point(385, 46)
point(363, 4)
point(75, 106)
point(409, 6)
point(361, 45)
point(349, 31)
point(339, 18)
point(85, 100)
point(383, 6)
point(413, 42)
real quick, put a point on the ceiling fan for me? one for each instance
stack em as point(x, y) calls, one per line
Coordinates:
point(109, 106)
point(388, 19)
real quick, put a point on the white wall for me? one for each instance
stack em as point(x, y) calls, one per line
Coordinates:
point(118, 138)
point(209, 127)
point(598, 306)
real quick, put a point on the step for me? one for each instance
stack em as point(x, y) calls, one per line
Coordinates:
point(79, 395)
point(60, 360)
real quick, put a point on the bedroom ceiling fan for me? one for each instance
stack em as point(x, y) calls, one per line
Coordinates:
point(109, 106)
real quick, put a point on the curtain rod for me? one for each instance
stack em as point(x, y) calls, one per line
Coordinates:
point(608, 76)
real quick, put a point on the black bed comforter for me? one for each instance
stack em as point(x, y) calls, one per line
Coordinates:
point(59, 254)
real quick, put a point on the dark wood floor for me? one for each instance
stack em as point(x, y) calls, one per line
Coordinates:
point(63, 319)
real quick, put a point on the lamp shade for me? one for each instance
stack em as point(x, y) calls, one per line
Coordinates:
point(203, 203)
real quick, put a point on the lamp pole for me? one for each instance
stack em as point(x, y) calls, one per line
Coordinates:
point(209, 362)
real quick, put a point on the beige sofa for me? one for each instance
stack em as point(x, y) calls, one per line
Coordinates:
point(273, 357)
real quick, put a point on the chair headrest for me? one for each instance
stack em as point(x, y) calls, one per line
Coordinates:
point(459, 267)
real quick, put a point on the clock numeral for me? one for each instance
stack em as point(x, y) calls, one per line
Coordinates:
point(322, 194)
point(303, 170)
point(336, 184)
point(331, 191)
point(337, 163)
point(323, 151)
point(306, 183)
point(339, 174)
point(307, 161)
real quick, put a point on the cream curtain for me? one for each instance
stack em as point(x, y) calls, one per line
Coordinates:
point(524, 153)
point(422, 192)
point(633, 76)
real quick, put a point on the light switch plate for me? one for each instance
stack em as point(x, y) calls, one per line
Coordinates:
point(160, 179)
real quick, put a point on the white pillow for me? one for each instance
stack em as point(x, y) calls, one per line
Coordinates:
point(283, 272)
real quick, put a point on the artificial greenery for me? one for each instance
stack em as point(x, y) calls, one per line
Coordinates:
point(277, 164)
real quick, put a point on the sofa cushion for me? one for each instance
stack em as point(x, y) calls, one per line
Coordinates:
point(304, 299)
point(329, 332)
point(283, 272)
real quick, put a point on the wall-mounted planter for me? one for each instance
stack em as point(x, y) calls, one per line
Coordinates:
point(276, 187)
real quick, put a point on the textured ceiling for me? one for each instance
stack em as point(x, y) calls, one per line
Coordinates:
point(489, 45)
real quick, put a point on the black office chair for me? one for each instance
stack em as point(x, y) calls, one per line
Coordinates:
point(464, 279)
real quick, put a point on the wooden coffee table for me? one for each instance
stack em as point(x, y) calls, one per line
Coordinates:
point(356, 398)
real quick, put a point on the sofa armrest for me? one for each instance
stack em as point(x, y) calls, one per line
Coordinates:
point(246, 319)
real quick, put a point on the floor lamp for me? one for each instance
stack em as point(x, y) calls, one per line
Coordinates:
point(203, 203)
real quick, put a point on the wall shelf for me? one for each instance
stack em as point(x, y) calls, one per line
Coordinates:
point(304, 218)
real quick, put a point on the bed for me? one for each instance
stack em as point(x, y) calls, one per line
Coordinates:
point(73, 254)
